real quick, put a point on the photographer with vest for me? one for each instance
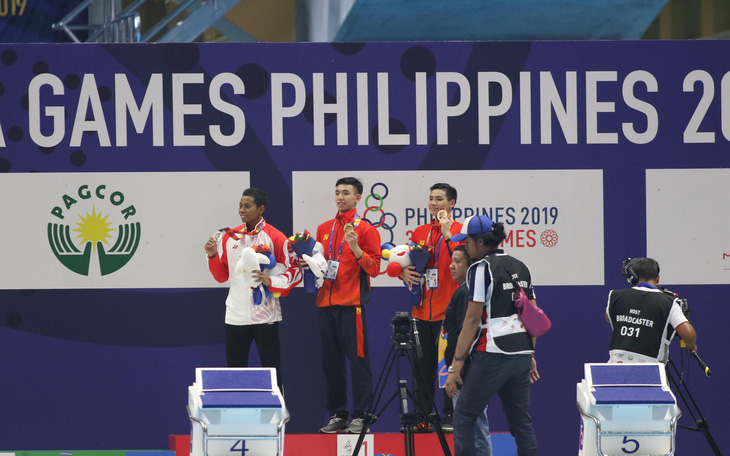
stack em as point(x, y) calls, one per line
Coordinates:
point(644, 318)
point(502, 360)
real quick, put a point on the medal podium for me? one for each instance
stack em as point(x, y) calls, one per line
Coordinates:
point(236, 409)
point(626, 409)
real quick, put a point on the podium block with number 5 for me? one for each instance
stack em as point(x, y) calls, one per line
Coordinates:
point(626, 409)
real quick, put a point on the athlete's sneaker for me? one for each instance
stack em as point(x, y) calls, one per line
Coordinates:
point(447, 424)
point(423, 427)
point(336, 425)
point(356, 426)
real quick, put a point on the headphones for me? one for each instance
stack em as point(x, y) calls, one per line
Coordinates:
point(628, 271)
point(630, 274)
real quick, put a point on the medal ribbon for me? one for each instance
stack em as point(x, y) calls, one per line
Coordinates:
point(237, 234)
point(437, 243)
point(355, 222)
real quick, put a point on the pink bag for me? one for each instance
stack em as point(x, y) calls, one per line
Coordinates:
point(535, 321)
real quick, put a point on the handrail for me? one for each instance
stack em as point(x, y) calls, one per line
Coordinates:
point(114, 21)
point(124, 25)
point(167, 20)
point(132, 7)
point(72, 15)
point(63, 23)
point(128, 24)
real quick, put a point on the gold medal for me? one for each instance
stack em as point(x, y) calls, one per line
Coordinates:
point(348, 227)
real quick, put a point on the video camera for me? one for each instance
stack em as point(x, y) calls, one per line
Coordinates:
point(401, 325)
point(683, 302)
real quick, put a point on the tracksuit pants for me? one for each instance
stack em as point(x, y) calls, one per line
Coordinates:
point(343, 334)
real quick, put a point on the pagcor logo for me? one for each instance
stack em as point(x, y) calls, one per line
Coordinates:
point(93, 230)
point(374, 203)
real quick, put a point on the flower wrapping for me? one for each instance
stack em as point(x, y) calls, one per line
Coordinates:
point(303, 244)
point(261, 291)
point(419, 257)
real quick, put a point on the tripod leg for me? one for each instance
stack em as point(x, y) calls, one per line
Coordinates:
point(441, 436)
point(411, 442)
point(407, 419)
point(680, 389)
point(433, 418)
point(361, 438)
point(370, 416)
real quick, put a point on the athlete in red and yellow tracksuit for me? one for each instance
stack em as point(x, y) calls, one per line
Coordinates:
point(342, 319)
point(434, 301)
point(430, 313)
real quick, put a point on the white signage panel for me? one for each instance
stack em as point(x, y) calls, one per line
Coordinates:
point(113, 230)
point(554, 217)
point(346, 444)
point(687, 215)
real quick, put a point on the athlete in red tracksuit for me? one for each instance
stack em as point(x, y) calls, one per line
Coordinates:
point(352, 249)
point(436, 293)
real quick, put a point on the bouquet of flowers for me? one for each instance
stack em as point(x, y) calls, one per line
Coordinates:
point(265, 250)
point(419, 257)
point(306, 248)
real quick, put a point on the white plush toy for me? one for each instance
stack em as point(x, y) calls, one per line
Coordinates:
point(398, 258)
point(317, 264)
point(250, 261)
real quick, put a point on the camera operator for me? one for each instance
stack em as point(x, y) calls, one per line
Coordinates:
point(644, 319)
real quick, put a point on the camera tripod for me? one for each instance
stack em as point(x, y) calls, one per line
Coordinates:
point(408, 417)
point(676, 380)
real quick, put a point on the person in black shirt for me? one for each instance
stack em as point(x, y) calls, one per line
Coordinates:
point(644, 319)
point(453, 321)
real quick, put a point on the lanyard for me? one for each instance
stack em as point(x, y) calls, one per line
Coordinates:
point(236, 235)
point(436, 246)
point(356, 222)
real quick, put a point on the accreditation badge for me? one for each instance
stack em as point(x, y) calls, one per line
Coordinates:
point(432, 278)
point(332, 267)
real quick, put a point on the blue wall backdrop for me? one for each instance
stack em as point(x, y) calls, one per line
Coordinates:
point(93, 367)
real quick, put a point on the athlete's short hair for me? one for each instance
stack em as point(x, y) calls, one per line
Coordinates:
point(462, 248)
point(259, 197)
point(448, 189)
point(354, 181)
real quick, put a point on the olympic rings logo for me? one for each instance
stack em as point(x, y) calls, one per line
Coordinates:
point(387, 220)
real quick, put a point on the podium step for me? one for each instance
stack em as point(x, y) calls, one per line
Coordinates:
point(344, 444)
point(382, 444)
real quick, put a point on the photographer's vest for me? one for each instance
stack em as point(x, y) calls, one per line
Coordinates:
point(639, 317)
point(501, 330)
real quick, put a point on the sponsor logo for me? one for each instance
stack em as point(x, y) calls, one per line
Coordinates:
point(549, 238)
point(384, 221)
point(77, 233)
